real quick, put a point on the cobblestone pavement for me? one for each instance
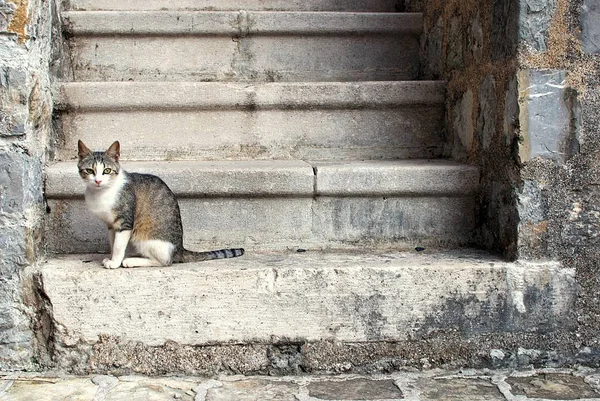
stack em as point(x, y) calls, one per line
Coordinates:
point(538, 385)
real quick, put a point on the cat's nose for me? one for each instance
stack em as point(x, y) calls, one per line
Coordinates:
point(97, 182)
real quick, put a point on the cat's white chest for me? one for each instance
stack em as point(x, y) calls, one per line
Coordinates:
point(101, 203)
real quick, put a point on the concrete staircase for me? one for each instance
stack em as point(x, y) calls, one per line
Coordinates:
point(299, 130)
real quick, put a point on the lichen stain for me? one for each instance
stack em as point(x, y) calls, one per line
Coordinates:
point(535, 234)
point(20, 20)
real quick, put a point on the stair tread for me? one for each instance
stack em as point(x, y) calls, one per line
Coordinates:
point(320, 120)
point(234, 5)
point(215, 95)
point(310, 296)
point(239, 23)
point(290, 177)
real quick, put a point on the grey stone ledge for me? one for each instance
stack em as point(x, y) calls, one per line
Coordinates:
point(405, 177)
point(106, 96)
point(234, 5)
point(240, 23)
point(210, 178)
point(289, 178)
point(311, 296)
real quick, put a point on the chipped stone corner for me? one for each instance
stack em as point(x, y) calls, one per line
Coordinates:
point(40, 314)
point(545, 292)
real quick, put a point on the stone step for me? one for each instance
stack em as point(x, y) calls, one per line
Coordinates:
point(115, 319)
point(289, 204)
point(213, 121)
point(243, 45)
point(235, 5)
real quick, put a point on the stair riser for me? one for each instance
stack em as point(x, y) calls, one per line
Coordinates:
point(407, 132)
point(276, 223)
point(301, 298)
point(208, 5)
point(284, 58)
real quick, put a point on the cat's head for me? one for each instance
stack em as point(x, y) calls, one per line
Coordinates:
point(99, 169)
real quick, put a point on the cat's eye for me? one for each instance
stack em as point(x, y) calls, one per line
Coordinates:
point(107, 171)
point(89, 171)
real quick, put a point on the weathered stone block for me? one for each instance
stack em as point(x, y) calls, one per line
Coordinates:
point(590, 26)
point(476, 39)
point(533, 220)
point(7, 10)
point(534, 22)
point(548, 116)
point(12, 182)
point(253, 389)
point(463, 122)
point(511, 111)
point(434, 39)
point(13, 100)
point(353, 297)
point(486, 122)
point(188, 46)
point(72, 389)
point(455, 51)
point(504, 29)
point(234, 5)
point(355, 389)
point(459, 389)
point(215, 121)
point(398, 220)
point(555, 386)
point(207, 222)
point(13, 246)
point(397, 177)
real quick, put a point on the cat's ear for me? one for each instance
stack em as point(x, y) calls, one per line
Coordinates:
point(83, 150)
point(114, 151)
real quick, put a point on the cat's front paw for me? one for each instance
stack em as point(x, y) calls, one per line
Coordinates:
point(109, 264)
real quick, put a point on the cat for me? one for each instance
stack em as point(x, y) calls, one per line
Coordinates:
point(139, 209)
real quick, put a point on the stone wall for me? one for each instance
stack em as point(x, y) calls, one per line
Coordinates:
point(473, 46)
point(25, 123)
point(561, 155)
point(524, 104)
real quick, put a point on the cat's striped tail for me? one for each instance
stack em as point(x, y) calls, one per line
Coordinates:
point(190, 256)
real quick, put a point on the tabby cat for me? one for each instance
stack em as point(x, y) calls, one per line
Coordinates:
point(137, 208)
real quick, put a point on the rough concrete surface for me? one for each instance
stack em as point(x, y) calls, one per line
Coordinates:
point(320, 121)
point(101, 316)
point(494, 385)
point(244, 46)
point(240, 23)
point(387, 222)
point(289, 177)
point(234, 5)
point(216, 178)
point(287, 204)
point(106, 96)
